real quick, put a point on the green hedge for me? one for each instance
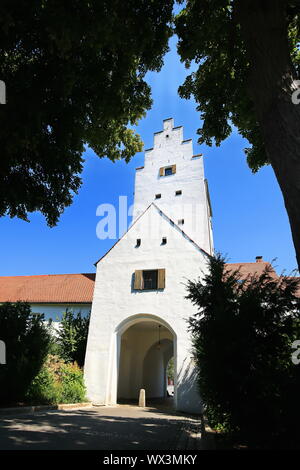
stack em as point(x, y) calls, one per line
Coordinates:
point(243, 335)
point(27, 341)
point(57, 382)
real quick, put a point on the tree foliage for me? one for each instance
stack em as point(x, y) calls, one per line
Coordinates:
point(27, 341)
point(220, 85)
point(171, 369)
point(248, 57)
point(243, 333)
point(74, 75)
point(57, 382)
point(72, 337)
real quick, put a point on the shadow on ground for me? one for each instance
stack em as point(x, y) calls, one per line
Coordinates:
point(115, 428)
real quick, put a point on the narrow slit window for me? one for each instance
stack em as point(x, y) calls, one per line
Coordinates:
point(164, 241)
point(180, 221)
point(138, 242)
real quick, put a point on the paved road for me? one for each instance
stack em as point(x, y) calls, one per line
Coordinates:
point(102, 428)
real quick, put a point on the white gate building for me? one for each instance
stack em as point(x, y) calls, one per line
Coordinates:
point(139, 311)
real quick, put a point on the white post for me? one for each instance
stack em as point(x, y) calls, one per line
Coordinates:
point(142, 398)
point(2, 352)
point(2, 92)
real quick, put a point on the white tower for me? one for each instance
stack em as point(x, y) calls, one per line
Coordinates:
point(173, 178)
point(140, 311)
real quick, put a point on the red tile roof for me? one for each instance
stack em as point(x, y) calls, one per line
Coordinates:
point(255, 268)
point(77, 288)
point(49, 288)
point(250, 268)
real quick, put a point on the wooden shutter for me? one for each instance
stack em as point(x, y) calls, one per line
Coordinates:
point(161, 171)
point(138, 280)
point(161, 279)
point(173, 169)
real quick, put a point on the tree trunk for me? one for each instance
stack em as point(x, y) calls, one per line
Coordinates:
point(271, 84)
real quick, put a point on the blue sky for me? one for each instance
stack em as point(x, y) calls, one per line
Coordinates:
point(249, 217)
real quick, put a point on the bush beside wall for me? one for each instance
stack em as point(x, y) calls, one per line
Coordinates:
point(57, 382)
point(27, 340)
point(243, 335)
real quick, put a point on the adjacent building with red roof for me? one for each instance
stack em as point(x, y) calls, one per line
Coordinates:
point(50, 294)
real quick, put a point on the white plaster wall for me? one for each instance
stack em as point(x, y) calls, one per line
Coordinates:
point(192, 206)
point(115, 300)
point(154, 369)
point(55, 311)
point(153, 379)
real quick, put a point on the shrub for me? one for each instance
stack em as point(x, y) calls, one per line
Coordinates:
point(242, 334)
point(27, 341)
point(72, 388)
point(57, 382)
point(43, 389)
point(72, 337)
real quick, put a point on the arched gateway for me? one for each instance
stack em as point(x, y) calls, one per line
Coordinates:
point(145, 344)
point(146, 271)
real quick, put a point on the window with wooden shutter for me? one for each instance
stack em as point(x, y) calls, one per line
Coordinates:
point(138, 280)
point(150, 279)
point(167, 170)
point(161, 279)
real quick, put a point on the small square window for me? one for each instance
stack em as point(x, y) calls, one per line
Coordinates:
point(150, 279)
point(178, 193)
point(157, 196)
point(167, 170)
point(180, 221)
point(138, 242)
point(164, 241)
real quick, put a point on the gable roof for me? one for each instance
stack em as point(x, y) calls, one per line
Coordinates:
point(49, 288)
point(169, 220)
